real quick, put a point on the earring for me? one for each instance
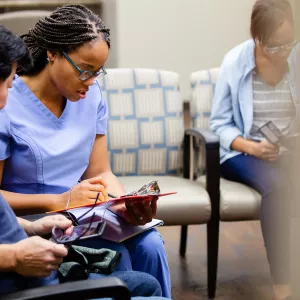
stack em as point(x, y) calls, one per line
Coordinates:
point(48, 59)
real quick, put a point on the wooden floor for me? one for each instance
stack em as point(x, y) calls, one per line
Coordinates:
point(243, 269)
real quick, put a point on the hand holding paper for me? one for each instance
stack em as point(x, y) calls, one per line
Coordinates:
point(138, 212)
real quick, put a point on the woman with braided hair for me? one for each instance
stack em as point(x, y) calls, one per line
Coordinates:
point(56, 134)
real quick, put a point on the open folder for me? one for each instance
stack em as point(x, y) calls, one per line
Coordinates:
point(116, 229)
point(120, 199)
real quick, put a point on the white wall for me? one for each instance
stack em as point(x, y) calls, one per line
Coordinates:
point(296, 8)
point(179, 35)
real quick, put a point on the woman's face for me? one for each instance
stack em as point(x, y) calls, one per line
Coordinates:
point(279, 46)
point(64, 75)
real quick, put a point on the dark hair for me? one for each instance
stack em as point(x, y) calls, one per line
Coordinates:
point(65, 30)
point(267, 16)
point(12, 49)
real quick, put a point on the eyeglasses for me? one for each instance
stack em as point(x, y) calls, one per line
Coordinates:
point(286, 47)
point(58, 233)
point(85, 74)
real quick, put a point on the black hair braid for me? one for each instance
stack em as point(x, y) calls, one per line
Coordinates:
point(66, 29)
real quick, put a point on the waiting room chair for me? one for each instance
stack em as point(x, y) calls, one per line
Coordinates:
point(237, 202)
point(147, 141)
point(84, 289)
point(20, 22)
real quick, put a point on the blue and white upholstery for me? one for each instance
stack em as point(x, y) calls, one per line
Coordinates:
point(203, 86)
point(145, 129)
point(145, 135)
point(238, 202)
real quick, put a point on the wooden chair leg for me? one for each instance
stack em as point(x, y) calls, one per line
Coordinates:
point(183, 240)
point(212, 256)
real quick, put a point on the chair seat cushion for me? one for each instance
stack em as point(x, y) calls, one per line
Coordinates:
point(191, 204)
point(238, 201)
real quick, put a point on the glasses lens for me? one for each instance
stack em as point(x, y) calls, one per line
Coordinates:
point(57, 233)
point(100, 75)
point(85, 75)
point(288, 47)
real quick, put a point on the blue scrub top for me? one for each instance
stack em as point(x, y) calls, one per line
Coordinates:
point(45, 154)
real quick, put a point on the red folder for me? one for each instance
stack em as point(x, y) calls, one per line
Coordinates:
point(120, 199)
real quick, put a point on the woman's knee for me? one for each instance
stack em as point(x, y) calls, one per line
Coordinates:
point(150, 243)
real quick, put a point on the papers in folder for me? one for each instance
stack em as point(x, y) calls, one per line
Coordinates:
point(117, 229)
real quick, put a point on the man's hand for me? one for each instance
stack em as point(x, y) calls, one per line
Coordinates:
point(44, 226)
point(37, 257)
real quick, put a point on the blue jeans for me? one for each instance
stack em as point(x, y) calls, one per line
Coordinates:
point(140, 284)
point(271, 180)
point(144, 253)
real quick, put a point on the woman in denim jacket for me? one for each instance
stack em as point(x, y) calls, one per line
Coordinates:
point(256, 85)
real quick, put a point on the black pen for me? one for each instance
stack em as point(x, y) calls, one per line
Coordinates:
point(111, 196)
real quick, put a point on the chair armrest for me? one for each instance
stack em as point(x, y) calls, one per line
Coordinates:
point(35, 217)
point(209, 138)
point(212, 160)
point(110, 287)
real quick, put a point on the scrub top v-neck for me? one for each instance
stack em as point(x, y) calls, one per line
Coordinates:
point(45, 154)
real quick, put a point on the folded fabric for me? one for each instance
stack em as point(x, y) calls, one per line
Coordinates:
point(81, 261)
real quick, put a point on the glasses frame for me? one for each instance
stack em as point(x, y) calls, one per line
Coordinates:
point(89, 74)
point(275, 50)
point(75, 220)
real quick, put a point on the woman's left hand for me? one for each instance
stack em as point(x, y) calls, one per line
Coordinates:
point(138, 212)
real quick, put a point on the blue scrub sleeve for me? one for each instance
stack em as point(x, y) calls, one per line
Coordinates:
point(102, 115)
point(5, 135)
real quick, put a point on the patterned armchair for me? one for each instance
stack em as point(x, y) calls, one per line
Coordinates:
point(237, 202)
point(147, 141)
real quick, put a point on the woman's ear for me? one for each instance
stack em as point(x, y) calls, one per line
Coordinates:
point(51, 55)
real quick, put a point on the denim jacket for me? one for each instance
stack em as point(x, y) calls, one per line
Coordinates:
point(232, 110)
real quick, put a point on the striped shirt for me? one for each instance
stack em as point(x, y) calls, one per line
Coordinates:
point(271, 104)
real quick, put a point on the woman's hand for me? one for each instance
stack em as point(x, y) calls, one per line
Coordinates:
point(84, 192)
point(138, 212)
point(264, 150)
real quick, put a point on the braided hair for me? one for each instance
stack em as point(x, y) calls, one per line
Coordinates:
point(65, 30)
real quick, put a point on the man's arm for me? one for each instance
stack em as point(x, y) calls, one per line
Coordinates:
point(26, 225)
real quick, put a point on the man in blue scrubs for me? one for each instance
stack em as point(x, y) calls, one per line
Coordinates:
point(26, 259)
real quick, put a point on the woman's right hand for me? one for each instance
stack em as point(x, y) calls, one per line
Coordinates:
point(84, 192)
point(264, 150)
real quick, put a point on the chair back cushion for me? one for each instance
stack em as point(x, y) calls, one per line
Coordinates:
point(145, 123)
point(203, 86)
